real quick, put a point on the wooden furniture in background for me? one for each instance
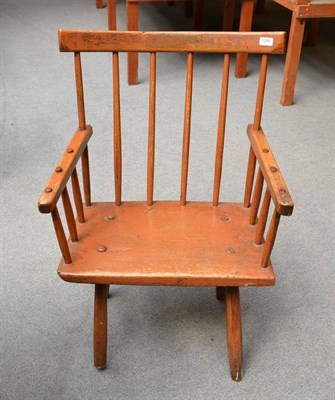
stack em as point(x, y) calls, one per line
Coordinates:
point(132, 25)
point(182, 243)
point(99, 3)
point(301, 11)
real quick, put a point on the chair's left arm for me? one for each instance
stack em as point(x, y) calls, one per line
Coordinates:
point(276, 189)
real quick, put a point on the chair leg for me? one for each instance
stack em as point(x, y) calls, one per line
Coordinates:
point(100, 326)
point(220, 292)
point(292, 59)
point(228, 15)
point(99, 4)
point(247, 10)
point(234, 332)
point(132, 25)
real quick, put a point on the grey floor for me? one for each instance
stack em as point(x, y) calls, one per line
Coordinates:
point(164, 343)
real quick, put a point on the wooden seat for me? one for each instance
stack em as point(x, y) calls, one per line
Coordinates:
point(301, 11)
point(167, 244)
point(219, 244)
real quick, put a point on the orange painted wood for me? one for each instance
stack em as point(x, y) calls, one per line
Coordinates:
point(71, 223)
point(132, 25)
point(301, 10)
point(221, 130)
point(80, 92)
point(117, 130)
point(167, 244)
point(151, 130)
point(197, 42)
point(99, 3)
point(260, 92)
point(64, 169)
point(111, 12)
point(100, 326)
point(77, 196)
point(256, 198)
point(270, 239)
point(270, 170)
point(85, 166)
point(247, 8)
point(249, 181)
point(61, 236)
point(187, 128)
point(234, 332)
point(292, 60)
point(263, 216)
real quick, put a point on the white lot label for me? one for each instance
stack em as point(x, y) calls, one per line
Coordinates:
point(266, 41)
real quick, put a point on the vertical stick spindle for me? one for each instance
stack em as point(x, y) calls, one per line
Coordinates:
point(221, 130)
point(270, 239)
point(77, 196)
point(151, 130)
point(61, 236)
point(117, 130)
point(71, 223)
point(187, 128)
point(263, 216)
point(80, 92)
point(256, 198)
point(260, 92)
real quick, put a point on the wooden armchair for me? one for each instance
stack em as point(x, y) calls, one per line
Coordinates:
point(176, 242)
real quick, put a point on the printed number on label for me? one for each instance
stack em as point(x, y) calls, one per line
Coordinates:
point(266, 41)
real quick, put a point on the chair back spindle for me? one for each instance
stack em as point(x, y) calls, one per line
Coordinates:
point(117, 129)
point(221, 130)
point(151, 129)
point(257, 124)
point(82, 127)
point(187, 128)
point(80, 92)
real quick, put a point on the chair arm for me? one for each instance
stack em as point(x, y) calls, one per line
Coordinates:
point(64, 169)
point(270, 170)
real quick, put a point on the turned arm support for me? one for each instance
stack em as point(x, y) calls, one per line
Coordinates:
point(271, 172)
point(64, 169)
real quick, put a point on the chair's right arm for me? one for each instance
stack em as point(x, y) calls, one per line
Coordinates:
point(63, 171)
point(56, 188)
